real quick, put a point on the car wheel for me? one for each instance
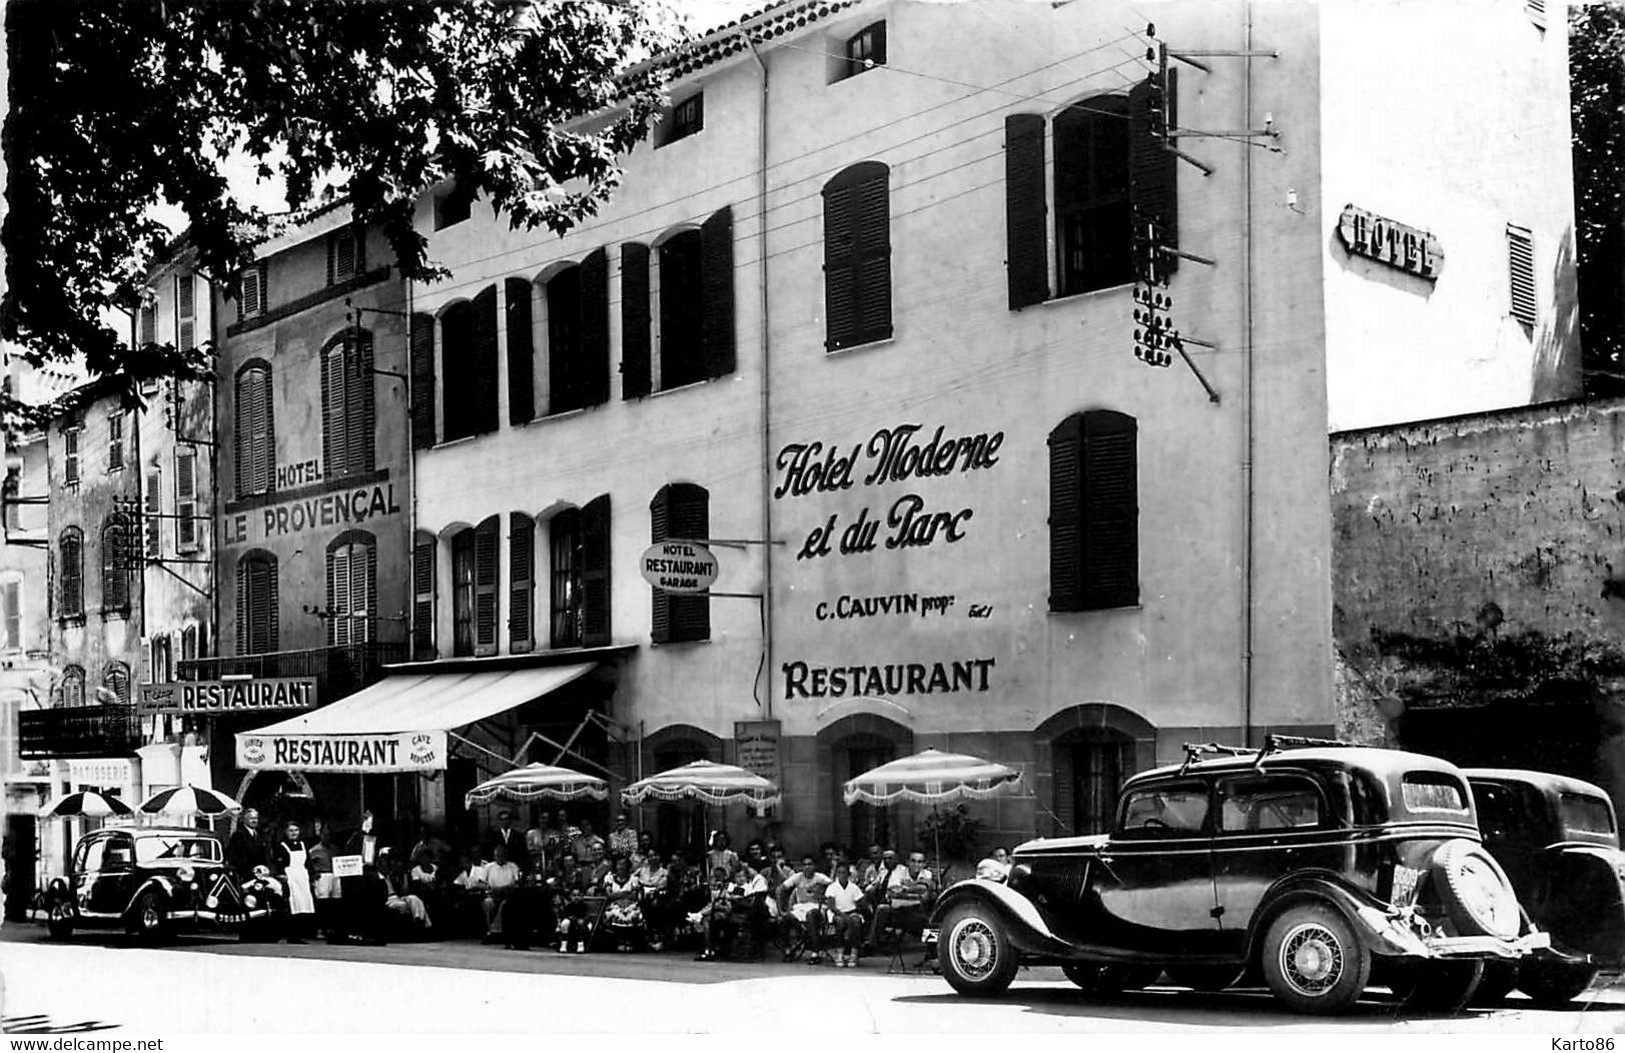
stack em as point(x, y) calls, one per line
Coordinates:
point(59, 918)
point(1477, 895)
point(1500, 977)
point(1312, 960)
point(1436, 986)
point(1110, 979)
point(974, 951)
point(1205, 977)
point(1551, 983)
point(146, 920)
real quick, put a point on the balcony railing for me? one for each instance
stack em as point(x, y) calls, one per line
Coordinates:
point(78, 731)
point(338, 671)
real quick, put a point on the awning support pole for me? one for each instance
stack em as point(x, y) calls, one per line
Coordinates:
point(475, 745)
point(571, 741)
point(537, 736)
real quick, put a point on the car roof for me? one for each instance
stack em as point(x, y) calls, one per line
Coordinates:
point(1541, 779)
point(154, 831)
point(1381, 762)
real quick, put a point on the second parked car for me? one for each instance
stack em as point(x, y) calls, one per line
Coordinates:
point(1315, 863)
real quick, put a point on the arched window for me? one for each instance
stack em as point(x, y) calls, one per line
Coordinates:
point(72, 691)
point(425, 547)
point(256, 430)
point(72, 552)
point(579, 548)
point(117, 561)
point(681, 318)
point(257, 613)
point(680, 510)
point(116, 683)
point(857, 256)
point(474, 589)
point(468, 367)
point(348, 420)
point(352, 588)
point(1094, 512)
point(578, 334)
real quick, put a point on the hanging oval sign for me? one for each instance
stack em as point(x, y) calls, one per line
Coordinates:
point(679, 566)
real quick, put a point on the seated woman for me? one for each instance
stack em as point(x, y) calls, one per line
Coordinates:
point(652, 876)
point(623, 906)
point(397, 899)
point(567, 888)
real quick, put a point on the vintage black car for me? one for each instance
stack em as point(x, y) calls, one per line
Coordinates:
point(1314, 863)
point(1558, 842)
point(151, 881)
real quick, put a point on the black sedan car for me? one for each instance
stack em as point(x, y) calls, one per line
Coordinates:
point(1558, 842)
point(1315, 863)
point(151, 881)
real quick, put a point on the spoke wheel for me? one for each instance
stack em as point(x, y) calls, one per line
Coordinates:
point(974, 952)
point(59, 919)
point(146, 919)
point(1313, 962)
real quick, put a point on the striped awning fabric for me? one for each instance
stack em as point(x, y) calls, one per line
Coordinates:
point(705, 781)
point(538, 780)
point(932, 776)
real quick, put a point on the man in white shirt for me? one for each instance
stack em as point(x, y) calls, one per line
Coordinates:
point(498, 878)
point(845, 897)
point(805, 894)
point(908, 894)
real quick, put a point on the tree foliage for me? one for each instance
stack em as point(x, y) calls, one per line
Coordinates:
point(1597, 99)
point(118, 105)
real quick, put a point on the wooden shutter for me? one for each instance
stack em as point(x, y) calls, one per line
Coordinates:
point(149, 324)
point(423, 588)
point(185, 313)
point(256, 433)
point(595, 570)
point(369, 591)
point(115, 442)
point(595, 327)
point(343, 255)
point(457, 371)
point(635, 342)
point(423, 402)
point(73, 573)
point(660, 599)
point(857, 256)
point(1065, 515)
point(521, 352)
point(483, 345)
point(1111, 514)
point(257, 628)
point(690, 519)
point(116, 549)
point(360, 409)
point(1026, 212)
point(335, 450)
point(485, 586)
point(250, 295)
point(521, 581)
point(1521, 273)
point(185, 500)
point(154, 533)
point(70, 456)
point(338, 596)
point(717, 292)
point(1154, 170)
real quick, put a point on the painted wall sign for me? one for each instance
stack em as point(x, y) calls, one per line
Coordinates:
point(802, 680)
point(334, 509)
point(226, 696)
point(303, 473)
point(1375, 237)
point(678, 566)
point(387, 752)
point(756, 748)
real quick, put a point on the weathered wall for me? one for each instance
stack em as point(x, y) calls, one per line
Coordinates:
point(1479, 575)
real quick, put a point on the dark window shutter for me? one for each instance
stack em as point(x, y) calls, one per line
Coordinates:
point(1026, 213)
point(360, 406)
point(635, 343)
point(595, 579)
point(73, 573)
point(717, 291)
point(458, 371)
point(484, 361)
point(423, 403)
point(1065, 515)
point(117, 550)
point(521, 581)
point(256, 432)
point(485, 586)
point(1111, 514)
point(256, 605)
point(154, 525)
point(338, 595)
point(335, 451)
point(564, 341)
point(521, 352)
point(690, 519)
point(185, 500)
point(423, 556)
point(857, 256)
point(1521, 274)
point(1154, 170)
point(149, 324)
point(660, 599)
point(595, 327)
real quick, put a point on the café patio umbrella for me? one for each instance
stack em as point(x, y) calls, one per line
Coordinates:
point(932, 776)
point(538, 780)
point(189, 800)
point(85, 804)
point(705, 781)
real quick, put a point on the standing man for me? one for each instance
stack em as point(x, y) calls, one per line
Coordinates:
point(245, 850)
point(511, 840)
point(623, 840)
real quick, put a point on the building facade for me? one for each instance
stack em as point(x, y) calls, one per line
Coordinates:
point(314, 484)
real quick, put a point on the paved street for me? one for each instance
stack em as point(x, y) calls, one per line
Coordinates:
point(460, 986)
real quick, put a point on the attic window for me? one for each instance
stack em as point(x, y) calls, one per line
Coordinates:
point(865, 50)
point(683, 120)
point(451, 207)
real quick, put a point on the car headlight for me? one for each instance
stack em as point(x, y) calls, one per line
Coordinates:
point(250, 902)
point(1020, 874)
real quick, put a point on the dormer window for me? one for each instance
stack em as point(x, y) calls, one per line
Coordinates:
point(344, 255)
point(684, 119)
point(865, 50)
point(451, 207)
point(251, 300)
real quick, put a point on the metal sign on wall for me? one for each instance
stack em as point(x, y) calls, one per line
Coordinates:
point(756, 748)
point(1405, 248)
point(226, 696)
point(679, 566)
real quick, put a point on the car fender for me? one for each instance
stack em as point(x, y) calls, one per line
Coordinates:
point(1369, 916)
point(164, 888)
point(59, 890)
point(1026, 926)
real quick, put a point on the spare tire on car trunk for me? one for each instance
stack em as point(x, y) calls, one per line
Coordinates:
point(1476, 893)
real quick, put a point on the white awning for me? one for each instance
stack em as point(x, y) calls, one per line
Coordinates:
point(398, 724)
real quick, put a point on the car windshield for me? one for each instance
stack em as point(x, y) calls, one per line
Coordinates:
point(1584, 812)
point(177, 848)
point(1432, 791)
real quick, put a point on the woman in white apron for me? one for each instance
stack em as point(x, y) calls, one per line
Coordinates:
point(292, 862)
